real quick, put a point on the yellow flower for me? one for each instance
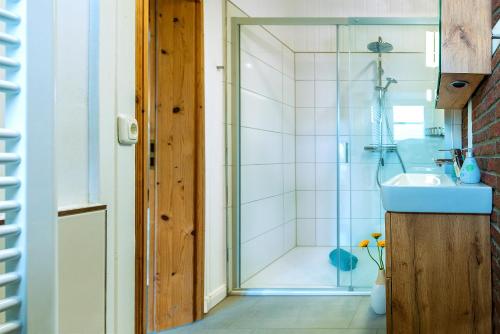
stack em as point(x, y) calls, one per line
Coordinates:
point(376, 235)
point(364, 243)
point(381, 243)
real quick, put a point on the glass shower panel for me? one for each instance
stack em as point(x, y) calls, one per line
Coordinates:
point(344, 166)
point(393, 125)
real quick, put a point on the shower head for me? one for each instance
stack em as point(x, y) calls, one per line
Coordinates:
point(380, 46)
point(389, 82)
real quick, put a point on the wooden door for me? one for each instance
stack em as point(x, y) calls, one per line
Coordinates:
point(438, 268)
point(177, 108)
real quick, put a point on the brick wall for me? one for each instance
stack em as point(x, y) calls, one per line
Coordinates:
point(486, 135)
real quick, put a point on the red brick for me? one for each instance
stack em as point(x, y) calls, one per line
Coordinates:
point(493, 165)
point(485, 149)
point(486, 133)
point(486, 119)
point(489, 179)
point(495, 130)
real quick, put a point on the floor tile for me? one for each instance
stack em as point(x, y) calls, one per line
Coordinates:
point(288, 315)
point(366, 318)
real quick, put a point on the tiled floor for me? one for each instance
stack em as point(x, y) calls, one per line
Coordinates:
point(309, 267)
point(289, 315)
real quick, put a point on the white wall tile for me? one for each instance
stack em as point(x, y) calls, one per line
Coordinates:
point(260, 77)
point(326, 148)
point(326, 176)
point(259, 252)
point(457, 116)
point(364, 176)
point(326, 204)
point(288, 62)
point(260, 181)
point(290, 208)
point(457, 136)
point(345, 204)
point(306, 204)
point(288, 91)
point(305, 148)
point(306, 232)
point(326, 121)
point(304, 66)
point(361, 121)
point(305, 174)
point(290, 230)
point(260, 147)
point(259, 43)
point(358, 152)
point(304, 94)
point(345, 233)
point(326, 232)
point(345, 176)
point(288, 148)
point(289, 177)
point(325, 94)
point(288, 119)
point(365, 204)
point(325, 66)
point(260, 112)
point(261, 216)
point(304, 121)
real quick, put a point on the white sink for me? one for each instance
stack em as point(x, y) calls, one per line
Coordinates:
point(436, 193)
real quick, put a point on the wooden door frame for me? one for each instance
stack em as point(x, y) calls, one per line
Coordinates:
point(144, 22)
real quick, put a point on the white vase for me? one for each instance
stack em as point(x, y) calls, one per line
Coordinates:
point(378, 293)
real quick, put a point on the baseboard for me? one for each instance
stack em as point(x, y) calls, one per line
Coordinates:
point(215, 297)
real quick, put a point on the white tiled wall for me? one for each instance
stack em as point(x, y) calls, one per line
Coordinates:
point(316, 144)
point(268, 213)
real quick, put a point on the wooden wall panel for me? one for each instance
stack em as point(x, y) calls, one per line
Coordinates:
point(180, 163)
point(141, 164)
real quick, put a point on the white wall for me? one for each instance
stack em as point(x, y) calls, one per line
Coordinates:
point(113, 166)
point(71, 102)
point(116, 162)
point(215, 233)
point(339, 8)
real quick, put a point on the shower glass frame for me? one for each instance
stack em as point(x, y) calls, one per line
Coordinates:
point(234, 220)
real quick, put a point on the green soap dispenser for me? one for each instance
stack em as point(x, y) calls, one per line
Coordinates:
point(470, 172)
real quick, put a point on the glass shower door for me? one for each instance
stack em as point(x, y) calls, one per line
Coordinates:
point(388, 97)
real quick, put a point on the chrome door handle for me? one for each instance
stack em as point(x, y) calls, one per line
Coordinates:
point(344, 152)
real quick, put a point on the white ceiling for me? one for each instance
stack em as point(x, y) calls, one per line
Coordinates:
point(339, 8)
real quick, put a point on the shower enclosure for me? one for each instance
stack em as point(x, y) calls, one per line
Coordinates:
point(321, 112)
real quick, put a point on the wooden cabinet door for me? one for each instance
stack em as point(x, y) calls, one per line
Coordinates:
point(440, 273)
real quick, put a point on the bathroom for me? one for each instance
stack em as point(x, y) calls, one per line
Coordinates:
point(249, 166)
point(323, 105)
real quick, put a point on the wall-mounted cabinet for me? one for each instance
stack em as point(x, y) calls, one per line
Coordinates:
point(465, 50)
point(438, 273)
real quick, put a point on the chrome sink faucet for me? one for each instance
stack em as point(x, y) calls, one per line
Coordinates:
point(457, 160)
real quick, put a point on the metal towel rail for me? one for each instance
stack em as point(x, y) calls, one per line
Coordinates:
point(10, 327)
point(11, 85)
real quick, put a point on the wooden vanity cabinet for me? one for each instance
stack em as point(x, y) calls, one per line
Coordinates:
point(465, 54)
point(438, 273)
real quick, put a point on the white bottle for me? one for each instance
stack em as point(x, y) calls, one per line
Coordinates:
point(470, 172)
